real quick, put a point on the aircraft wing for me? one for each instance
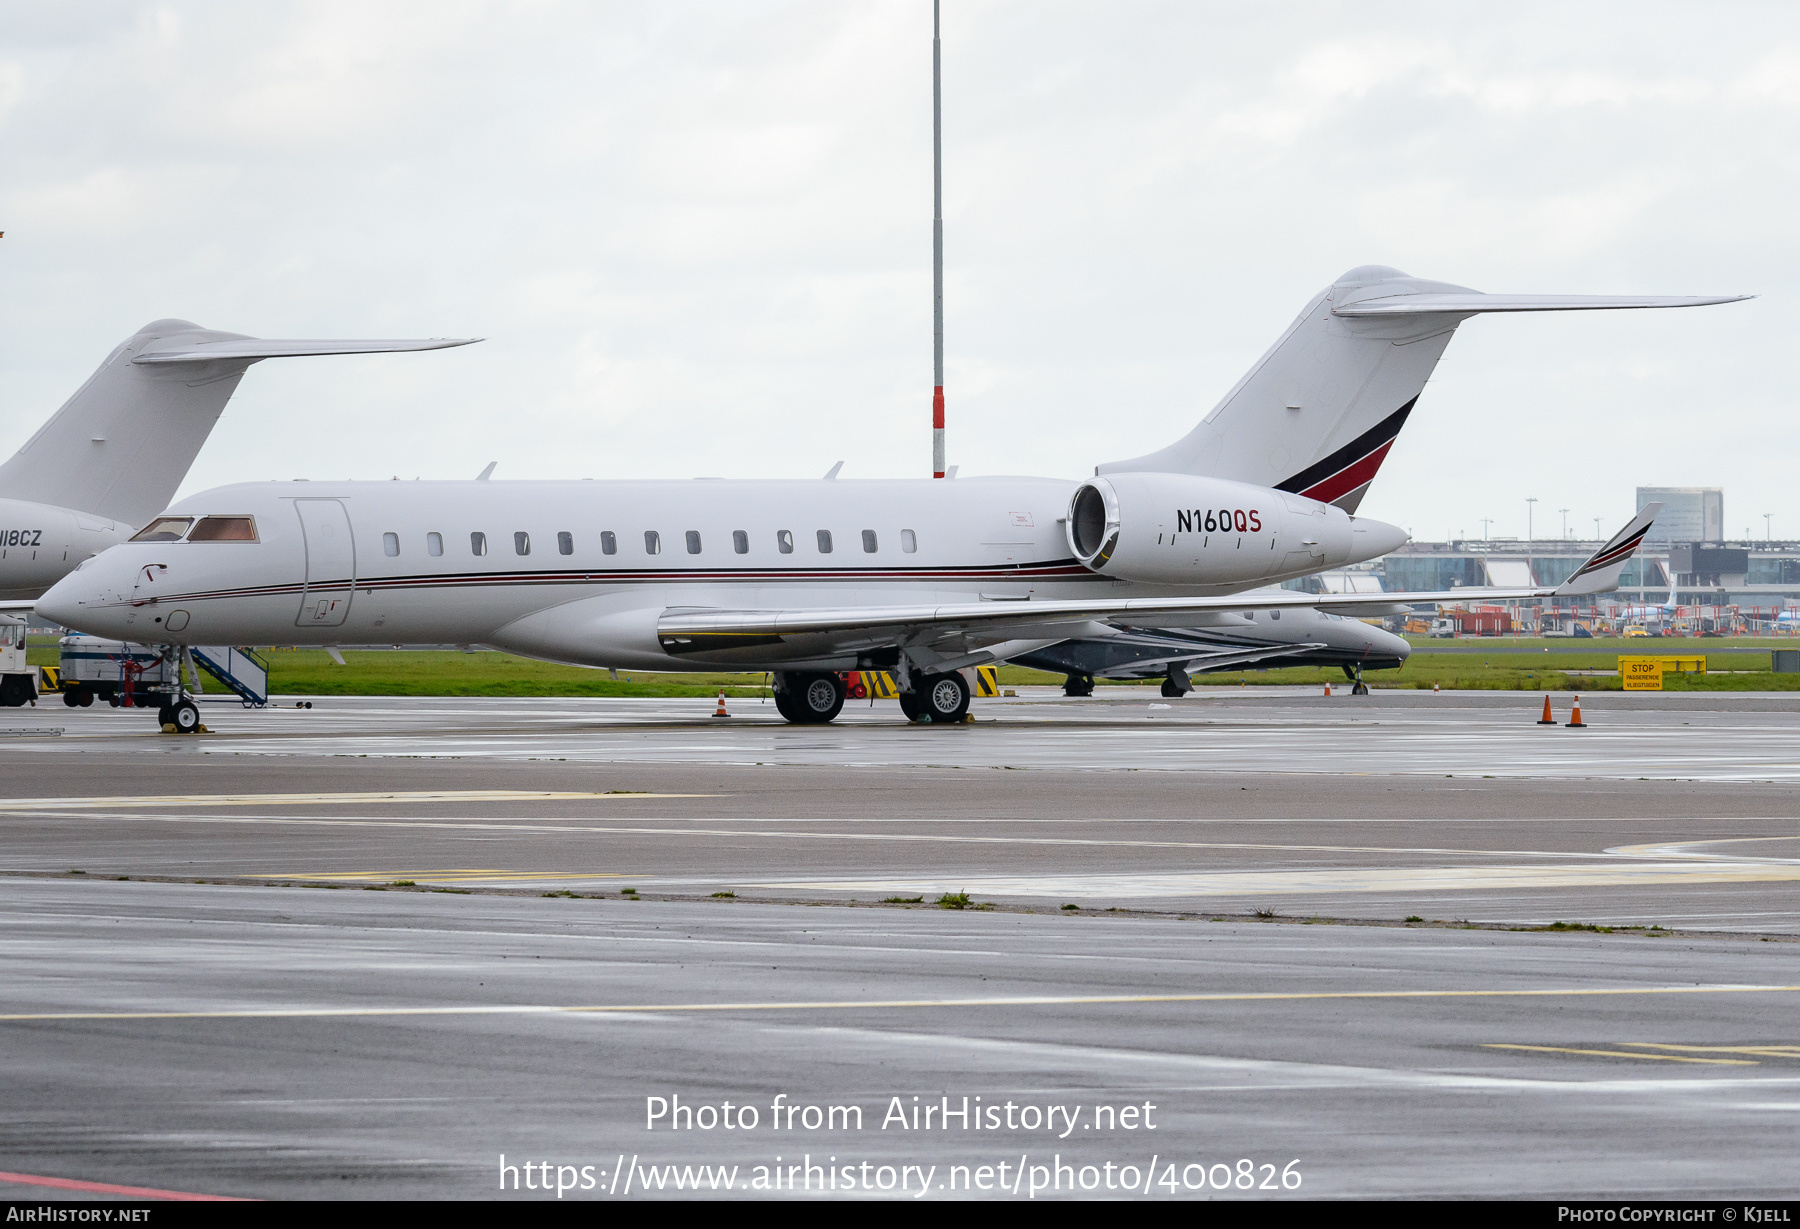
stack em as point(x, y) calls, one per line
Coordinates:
point(254, 348)
point(951, 628)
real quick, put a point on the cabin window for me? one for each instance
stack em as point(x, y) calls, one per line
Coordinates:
point(609, 544)
point(1250, 615)
point(224, 529)
point(521, 543)
point(565, 543)
point(824, 541)
point(693, 541)
point(869, 541)
point(1275, 615)
point(784, 541)
point(434, 544)
point(164, 529)
point(908, 542)
point(390, 544)
point(478, 544)
point(740, 541)
point(652, 542)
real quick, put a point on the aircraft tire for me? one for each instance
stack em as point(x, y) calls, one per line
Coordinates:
point(1170, 690)
point(808, 698)
point(185, 716)
point(909, 705)
point(943, 698)
point(1078, 685)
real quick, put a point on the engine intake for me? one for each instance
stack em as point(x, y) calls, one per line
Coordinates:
point(1184, 530)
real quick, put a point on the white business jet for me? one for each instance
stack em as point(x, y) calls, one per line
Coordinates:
point(809, 578)
point(1374, 338)
point(112, 456)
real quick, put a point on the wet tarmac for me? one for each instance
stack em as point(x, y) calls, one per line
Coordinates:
point(1140, 876)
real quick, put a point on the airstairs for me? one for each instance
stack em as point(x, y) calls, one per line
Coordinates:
point(242, 672)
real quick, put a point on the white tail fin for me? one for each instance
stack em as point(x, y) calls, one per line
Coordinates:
point(1317, 414)
point(122, 444)
point(1600, 574)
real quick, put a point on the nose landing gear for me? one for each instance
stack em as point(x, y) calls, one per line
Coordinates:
point(1354, 674)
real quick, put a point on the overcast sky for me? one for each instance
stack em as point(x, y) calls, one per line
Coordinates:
point(697, 236)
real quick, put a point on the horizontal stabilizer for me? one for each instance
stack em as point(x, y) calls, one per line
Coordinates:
point(254, 348)
point(1469, 303)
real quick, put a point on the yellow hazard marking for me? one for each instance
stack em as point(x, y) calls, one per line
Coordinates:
point(1667, 1058)
point(251, 800)
point(867, 1004)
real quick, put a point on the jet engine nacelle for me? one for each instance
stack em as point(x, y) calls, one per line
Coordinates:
point(1184, 530)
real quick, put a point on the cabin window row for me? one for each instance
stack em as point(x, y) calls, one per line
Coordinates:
point(609, 542)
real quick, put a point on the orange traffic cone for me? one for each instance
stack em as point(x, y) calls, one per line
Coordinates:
point(1546, 719)
point(720, 711)
point(1434, 689)
point(1575, 722)
point(1328, 689)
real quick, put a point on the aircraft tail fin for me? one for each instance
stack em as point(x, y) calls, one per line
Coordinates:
point(1318, 413)
point(123, 443)
point(1600, 574)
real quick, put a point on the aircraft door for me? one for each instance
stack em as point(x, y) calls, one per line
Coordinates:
point(330, 562)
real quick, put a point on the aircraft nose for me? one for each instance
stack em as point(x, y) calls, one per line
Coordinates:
point(1372, 539)
point(73, 601)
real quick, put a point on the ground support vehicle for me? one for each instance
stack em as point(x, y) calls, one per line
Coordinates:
point(18, 681)
point(165, 678)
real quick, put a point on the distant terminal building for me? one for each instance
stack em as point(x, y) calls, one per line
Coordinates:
point(1759, 579)
point(1690, 513)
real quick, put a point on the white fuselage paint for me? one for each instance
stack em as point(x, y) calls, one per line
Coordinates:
point(41, 543)
point(323, 571)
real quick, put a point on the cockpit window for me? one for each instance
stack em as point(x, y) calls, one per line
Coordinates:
point(224, 529)
point(164, 529)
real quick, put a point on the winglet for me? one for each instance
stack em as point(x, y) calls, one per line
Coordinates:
point(1600, 574)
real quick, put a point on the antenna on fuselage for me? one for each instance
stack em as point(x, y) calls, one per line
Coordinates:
point(937, 247)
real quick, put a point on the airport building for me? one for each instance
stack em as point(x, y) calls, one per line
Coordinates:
point(1720, 581)
point(1689, 514)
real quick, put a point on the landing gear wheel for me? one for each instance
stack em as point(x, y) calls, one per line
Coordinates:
point(185, 716)
point(909, 705)
point(1078, 685)
point(809, 699)
point(165, 715)
point(1171, 691)
point(941, 699)
point(1357, 686)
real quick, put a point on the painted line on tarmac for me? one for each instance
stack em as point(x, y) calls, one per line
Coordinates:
point(1077, 1000)
point(250, 800)
point(1287, 882)
point(1666, 1058)
point(604, 828)
point(108, 1188)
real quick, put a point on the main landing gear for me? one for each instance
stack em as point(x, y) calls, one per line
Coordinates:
point(813, 697)
point(1176, 683)
point(1358, 687)
point(808, 697)
point(936, 699)
point(1078, 685)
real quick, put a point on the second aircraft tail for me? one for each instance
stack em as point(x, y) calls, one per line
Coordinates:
point(123, 443)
